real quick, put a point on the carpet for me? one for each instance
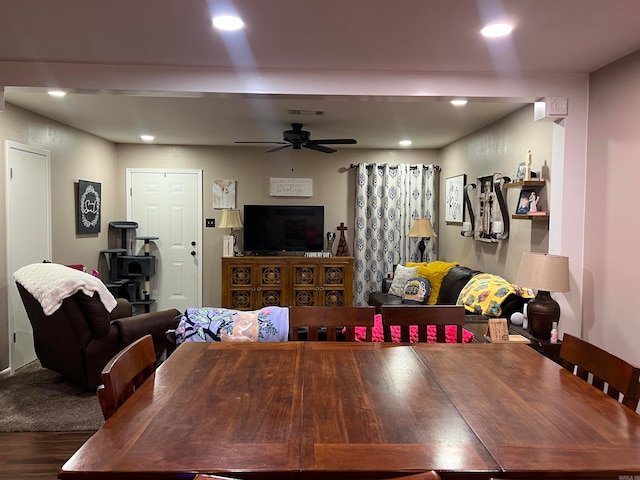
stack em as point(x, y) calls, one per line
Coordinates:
point(35, 399)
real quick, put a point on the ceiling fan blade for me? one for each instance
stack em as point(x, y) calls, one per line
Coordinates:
point(277, 149)
point(319, 148)
point(335, 141)
point(275, 143)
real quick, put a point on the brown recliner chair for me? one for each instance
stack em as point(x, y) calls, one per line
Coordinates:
point(79, 338)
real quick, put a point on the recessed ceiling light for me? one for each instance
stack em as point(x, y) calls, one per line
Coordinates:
point(57, 93)
point(147, 138)
point(458, 102)
point(405, 143)
point(227, 22)
point(496, 30)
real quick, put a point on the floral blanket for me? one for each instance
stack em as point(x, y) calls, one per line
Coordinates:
point(269, 324)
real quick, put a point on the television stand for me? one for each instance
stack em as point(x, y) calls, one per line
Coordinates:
point(256, 281)
point(276, 253)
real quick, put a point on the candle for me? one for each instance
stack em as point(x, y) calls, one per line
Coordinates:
point(466, 227)
point(498, 227)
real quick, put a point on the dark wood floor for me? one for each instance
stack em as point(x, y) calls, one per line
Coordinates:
point(37, 455)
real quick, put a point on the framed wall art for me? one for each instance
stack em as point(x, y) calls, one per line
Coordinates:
point(224, 194)
point(454, 188)
point(520, 172)
point(525, 201)
point(89, 200)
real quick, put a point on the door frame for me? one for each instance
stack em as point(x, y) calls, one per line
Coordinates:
point(199, 210)
point(12, 145)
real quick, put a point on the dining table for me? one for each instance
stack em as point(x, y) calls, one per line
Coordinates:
point(332, 410)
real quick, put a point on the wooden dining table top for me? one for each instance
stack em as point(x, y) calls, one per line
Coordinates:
point(362, 410)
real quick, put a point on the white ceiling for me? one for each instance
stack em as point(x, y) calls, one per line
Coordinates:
point(550, 36)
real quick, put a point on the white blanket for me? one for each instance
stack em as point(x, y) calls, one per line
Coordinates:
point(51, 283)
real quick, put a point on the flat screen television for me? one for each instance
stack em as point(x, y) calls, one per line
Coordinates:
point(276, 229)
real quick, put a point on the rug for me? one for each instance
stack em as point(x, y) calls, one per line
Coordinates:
point(35, 399)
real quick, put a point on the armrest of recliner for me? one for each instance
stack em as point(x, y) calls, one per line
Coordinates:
point(154, 323)
point(123, 309)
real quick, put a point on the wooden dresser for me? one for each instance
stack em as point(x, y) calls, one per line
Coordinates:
point(250, 283)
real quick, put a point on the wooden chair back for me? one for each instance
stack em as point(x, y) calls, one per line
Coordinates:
point(313, 320)
point(609, 373)
point(405, 316)
point(124, 373)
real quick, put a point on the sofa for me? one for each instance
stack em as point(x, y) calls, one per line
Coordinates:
point(456, 278)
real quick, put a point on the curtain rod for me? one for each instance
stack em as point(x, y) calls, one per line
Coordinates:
point(370, 165)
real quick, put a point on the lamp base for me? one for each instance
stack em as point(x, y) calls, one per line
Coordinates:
point(421, 248)
point(542, 311)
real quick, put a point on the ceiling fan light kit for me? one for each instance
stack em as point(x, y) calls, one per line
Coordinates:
point(297, 138)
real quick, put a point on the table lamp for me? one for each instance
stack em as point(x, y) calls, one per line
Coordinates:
point(230, 219)
point(422, 229)
point(545, 273)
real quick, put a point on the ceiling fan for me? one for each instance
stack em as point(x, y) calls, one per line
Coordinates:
point(298, 138)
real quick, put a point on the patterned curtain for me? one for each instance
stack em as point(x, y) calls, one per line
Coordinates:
point(388, 199)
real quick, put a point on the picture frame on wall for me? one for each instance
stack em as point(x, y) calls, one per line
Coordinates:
point(224, 194)
point(454, 200)
point(88, 207)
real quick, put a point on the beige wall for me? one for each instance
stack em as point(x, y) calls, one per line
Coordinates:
point(611, 262)
point(74, 155)
point(498, 148)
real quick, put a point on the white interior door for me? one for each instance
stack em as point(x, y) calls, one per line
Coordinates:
point(28, 235)
point(168, 204)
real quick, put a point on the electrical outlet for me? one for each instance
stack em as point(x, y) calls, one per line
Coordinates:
point(210, 222)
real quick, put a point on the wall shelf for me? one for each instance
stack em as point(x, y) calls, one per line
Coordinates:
point(531, 217)
point(536, 185)
point(526, 184)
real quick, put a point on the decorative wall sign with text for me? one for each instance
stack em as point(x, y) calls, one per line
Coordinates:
point(89, 200)
point(291, 187)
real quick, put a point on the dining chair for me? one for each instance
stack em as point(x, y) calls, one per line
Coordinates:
point(314, 320)
point(601, 369)
point(124, 373)
point(422, 316)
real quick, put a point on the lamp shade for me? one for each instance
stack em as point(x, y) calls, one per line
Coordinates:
point(230, 219)
point(422, 228)
point(542, 271)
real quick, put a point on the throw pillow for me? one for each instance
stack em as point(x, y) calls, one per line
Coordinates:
point(435, 273)
point(485, 293)
point(400, 278)
point(416, 291)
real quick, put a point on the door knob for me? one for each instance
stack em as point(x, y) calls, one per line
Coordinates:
point(193, 243)
point(193, 253)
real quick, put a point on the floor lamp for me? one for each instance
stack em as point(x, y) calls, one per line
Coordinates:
point(230, 219)
point(545, 273)
point(422, 229)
